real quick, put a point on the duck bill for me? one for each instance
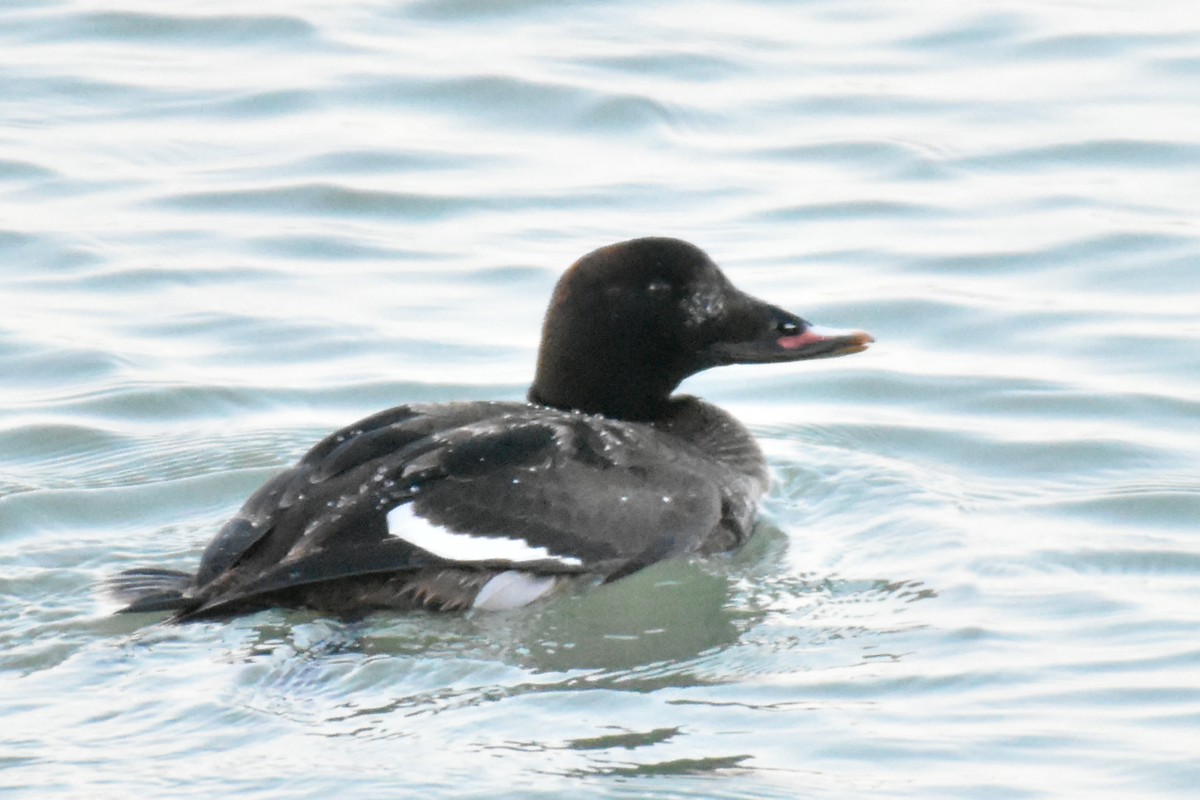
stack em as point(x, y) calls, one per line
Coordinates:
point(817, 341)
point(812, 341)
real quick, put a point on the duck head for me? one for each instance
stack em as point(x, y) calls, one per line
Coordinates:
point(628, 322)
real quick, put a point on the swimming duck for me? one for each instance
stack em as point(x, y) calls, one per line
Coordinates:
point(495, 505)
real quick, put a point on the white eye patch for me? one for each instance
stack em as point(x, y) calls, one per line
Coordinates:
point(404, 523)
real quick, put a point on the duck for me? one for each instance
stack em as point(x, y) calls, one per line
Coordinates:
point(494, 505)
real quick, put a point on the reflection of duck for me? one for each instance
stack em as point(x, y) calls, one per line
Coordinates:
point(493, 505)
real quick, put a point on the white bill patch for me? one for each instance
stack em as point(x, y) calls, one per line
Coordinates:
point(404, 524)
point(513, 589)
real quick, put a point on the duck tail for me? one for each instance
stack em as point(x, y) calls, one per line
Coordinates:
point(149, 589)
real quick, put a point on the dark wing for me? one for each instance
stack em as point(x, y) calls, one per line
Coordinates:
point(265, 510)
point(587, 494)
point(580, 488)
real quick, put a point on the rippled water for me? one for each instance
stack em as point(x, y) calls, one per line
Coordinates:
point(224, 233)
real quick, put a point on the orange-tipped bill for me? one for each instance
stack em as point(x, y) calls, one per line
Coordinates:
point(816, 341)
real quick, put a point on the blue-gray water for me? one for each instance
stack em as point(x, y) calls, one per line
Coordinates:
point(224, 233)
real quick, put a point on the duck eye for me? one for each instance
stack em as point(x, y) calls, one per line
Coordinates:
point(787, 328)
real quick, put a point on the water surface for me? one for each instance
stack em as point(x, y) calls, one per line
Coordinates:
point(225, 233)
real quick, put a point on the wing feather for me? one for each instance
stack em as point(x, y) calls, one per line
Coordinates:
point(607, 497)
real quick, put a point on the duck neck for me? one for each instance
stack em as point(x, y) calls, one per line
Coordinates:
point(632, 397)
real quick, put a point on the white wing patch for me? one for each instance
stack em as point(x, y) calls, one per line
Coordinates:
point(404, 524)
point(513, 589)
